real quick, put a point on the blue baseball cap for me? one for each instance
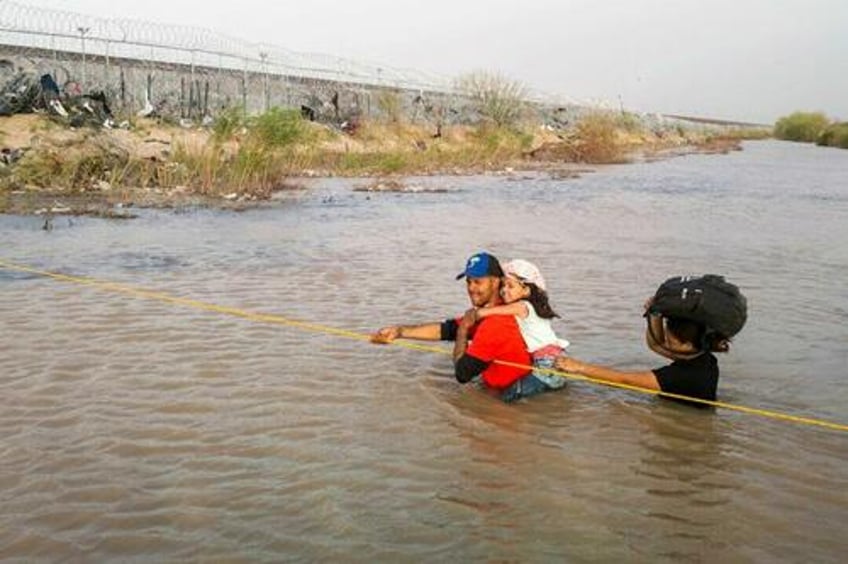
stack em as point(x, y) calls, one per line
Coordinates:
point(480, 265)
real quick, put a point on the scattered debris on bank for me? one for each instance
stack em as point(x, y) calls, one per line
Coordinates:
point(25, 93)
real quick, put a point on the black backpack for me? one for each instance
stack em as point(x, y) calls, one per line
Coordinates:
point(708, 300)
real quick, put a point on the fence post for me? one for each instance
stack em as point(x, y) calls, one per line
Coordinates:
point(106, 74)
point(218, 81)
point(193, 96)
point(193, 53)
point(82, 31)
point(244, 87)
point(55, 57)
point(264, 56)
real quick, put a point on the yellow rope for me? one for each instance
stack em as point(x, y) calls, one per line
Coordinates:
point(317, 328)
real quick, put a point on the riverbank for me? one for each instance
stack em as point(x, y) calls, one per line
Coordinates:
point(235, 163)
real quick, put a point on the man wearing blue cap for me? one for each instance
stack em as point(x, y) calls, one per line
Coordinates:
point(492, 348)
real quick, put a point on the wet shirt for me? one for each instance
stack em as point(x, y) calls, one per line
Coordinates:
point(494, 338)
point(695, 378)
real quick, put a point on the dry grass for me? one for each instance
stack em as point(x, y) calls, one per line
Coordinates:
point(408, 149)
point(598, 138)
point(598, 141)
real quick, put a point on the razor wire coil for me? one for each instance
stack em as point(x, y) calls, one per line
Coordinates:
point(33, 27)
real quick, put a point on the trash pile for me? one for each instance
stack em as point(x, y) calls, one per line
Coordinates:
point(24, 93)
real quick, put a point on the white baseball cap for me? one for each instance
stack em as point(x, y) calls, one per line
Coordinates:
point(526, 272)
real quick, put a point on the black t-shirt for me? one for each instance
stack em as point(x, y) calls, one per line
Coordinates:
point(695, 378)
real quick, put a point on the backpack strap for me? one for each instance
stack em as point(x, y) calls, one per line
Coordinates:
point(655, 336)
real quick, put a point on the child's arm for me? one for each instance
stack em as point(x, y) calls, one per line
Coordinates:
point(518, 309)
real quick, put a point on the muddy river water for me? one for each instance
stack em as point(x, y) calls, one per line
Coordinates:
point(133, 429)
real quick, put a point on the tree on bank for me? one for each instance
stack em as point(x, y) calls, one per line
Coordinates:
point(801, 126)
point(495, 97)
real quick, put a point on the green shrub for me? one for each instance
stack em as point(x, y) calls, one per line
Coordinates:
point(278, 128)
point(801, 126)
point(836, 135)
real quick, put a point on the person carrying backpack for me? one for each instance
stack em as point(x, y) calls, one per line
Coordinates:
point(688, 319)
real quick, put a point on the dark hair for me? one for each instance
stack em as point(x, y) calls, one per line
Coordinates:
point(539, 300)
point(697, 335)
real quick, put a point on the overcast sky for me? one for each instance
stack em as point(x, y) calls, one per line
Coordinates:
point(750, 60)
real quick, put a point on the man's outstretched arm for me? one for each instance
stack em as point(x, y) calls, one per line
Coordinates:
point(424, 332)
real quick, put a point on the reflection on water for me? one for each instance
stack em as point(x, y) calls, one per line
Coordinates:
point(139, 429)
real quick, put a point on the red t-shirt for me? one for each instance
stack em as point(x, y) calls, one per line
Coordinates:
point(498, 338)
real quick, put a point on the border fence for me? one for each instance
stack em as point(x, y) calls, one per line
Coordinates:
point(194, 72)
point(58, 31)
point(191, 72)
